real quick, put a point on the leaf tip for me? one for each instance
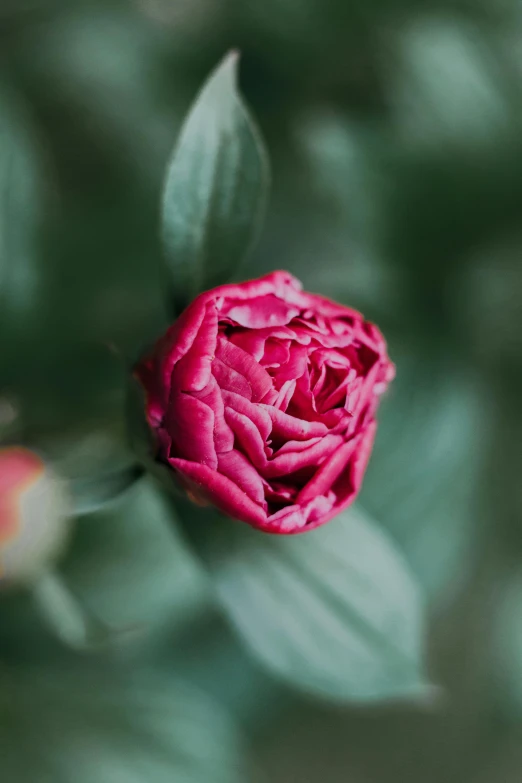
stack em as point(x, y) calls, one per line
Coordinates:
point(232, 57)
point(228, 67)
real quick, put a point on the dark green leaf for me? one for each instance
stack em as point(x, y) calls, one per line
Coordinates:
point(215, 189)
point(20, 213)
point(333, 611)
point(506, 645)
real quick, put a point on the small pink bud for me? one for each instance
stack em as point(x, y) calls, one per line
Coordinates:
point(33, 514)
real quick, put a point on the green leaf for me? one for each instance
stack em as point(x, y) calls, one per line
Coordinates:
point(422, 482)
point(77, 723)
point(126, 575)
point(144, 573)
point(215, 188)
point(448, 88)
point(21, 199)
point(71, 622)
point(505, 653)
point(334, 611)
point(93, 493)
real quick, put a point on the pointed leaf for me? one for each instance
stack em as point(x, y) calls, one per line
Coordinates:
point(215, 188)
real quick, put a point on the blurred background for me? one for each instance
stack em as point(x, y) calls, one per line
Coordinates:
point(394, 130)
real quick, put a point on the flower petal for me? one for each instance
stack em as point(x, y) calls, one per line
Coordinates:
point(219, 490)
point(212, 396)
point(293, 519)
point(296, 364)
point(362, 455)
point(280, 283)
point(178, 340)
point(293, 461)
point(328, 472)
point(283, 397)
point(253, 340)
point(347, 486)
point(253, 410)
point(192, 371)
point(240, 470)
point(261, 312)
point(291, 428)
point(243, 363)
point(247, 436)
point(230, 380)
point(297, 445)
point(191, 424)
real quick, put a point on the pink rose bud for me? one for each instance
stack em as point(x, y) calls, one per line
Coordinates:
point(262, 399)
point(33, 514)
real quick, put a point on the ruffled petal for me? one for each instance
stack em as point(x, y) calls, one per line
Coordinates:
point(245, 365)
point(248, 437)
point(361, 455)
point(295, 366)
point(280, 283)
point(261, 312)
point(212, 396)
point(240, 470)
point(328, 473)
point(191, 425)
point(220, 491)
point(230, 380)
point(177, 341)
point(293, 461)
point(192, 372)
point(282, 398)
point(290, 428)
point(293, 519)
point(254, 411)
point(297, 445)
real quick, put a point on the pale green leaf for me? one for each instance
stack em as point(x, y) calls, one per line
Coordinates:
point(334, 611)
point(449, 88)
point(144, 573)
point(67, 618)
point(215, 188)
point(86, 725)
point(422, 482)
point(92, 493)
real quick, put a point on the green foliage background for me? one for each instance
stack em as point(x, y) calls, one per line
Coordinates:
point(394, 131)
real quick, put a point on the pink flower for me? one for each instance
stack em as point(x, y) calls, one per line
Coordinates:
point(262, 399)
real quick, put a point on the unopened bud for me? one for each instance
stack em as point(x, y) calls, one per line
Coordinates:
point(33, 515)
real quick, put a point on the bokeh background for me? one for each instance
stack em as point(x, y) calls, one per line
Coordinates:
point(394, 131)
